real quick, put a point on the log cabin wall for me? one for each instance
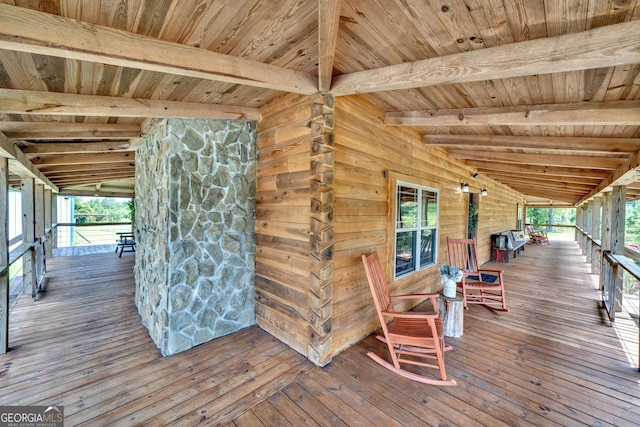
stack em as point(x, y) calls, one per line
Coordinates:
point(366, 154)
point(283, 220)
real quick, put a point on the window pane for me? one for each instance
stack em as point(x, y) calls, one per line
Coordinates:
point(427, 248)
point(429, 209)
point(405, 256)
point(407, 215)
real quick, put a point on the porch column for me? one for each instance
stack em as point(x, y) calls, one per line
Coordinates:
point(28, 233)
point(4, 255)
point(605, 232)
point(618, 207)
point(588, 229)
point(595, 234)
point(47, 208)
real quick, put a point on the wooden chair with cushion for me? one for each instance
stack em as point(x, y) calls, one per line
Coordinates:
point(478, 286)
point(537, 237)
point(413, 338)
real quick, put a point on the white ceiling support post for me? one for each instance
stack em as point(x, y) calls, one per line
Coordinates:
point(4, 255)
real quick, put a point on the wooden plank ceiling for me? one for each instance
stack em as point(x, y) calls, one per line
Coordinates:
point(541, 95)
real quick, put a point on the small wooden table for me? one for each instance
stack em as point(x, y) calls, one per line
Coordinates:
point(125, 243)
point(451, 311)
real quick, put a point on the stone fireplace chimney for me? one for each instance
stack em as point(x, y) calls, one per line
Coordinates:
point(195, 230)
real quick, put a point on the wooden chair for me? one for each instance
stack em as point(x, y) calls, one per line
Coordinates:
point(412, 338)
point(537, 237)
point(478, 286)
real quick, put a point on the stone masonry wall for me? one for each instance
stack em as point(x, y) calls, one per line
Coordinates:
point(195, 270)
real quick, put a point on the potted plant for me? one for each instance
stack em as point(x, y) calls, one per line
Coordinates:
point(449, 277)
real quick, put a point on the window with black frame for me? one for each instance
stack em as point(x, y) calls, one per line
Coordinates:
point(416, 228)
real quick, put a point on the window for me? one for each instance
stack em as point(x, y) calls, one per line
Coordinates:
point(416, 228)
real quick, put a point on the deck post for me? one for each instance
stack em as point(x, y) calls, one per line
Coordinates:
point(595, 234)
point(28, 233)
point(4, 255)
point(588, 244)
point(618, 207)
point(605, 232)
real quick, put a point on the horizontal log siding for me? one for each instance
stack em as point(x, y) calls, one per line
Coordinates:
point(282, 221)
point(365, 149)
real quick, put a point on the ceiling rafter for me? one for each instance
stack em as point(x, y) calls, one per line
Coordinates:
point(580, 144)
point(328, 20)
point(612, 113)
point(31, 31)
point(597, 48)
point(15, 101)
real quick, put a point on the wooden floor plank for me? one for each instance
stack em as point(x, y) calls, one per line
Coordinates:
point(552, 360)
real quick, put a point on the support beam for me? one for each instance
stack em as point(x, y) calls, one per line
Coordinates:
point(68, 131)
point(20, 165)
point(328, 22)
point(4, 255)
point(574, 161)
point(597, 48)
point(613, 113)
point(628, 172)
point(14, 101)
point(85, 158)
point(27, 30)
point(536, 142)
point(75, 147)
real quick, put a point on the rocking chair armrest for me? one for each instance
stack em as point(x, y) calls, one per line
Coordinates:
point(491, 271)
point(414, 296)
point(410, 315)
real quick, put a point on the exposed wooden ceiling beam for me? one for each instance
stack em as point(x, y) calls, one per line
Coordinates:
point(66, 131)
point(551, 195)
point(20, 165)
point(68, 159)
point(103, 192)
point(597, 48)
point(67, 104)
point(546, 183)
point(583, 144)
point(31, 31)
point(124, 172)
point(503, 176)
point(76, 147)
point(623, 113)
point(628, 172)
point(89, 179)
point(85, 167)
point(328, 22)
point(487, 166)
point(605, 163)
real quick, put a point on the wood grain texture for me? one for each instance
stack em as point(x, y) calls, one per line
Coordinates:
point(542, 363)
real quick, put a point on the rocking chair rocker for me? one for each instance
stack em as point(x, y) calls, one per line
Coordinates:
point(412, 337)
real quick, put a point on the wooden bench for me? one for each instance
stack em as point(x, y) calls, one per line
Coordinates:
point(515, 241)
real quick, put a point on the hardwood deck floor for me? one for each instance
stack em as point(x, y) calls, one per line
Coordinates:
point(551, 360)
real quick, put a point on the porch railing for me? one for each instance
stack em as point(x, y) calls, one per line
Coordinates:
point(613, 267)
point(611, 281)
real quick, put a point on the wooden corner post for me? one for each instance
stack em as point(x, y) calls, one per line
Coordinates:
point(4, 255)
point(321, 229)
